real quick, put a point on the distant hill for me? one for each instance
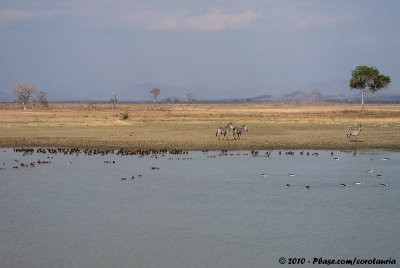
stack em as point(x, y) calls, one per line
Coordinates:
point(382, 97)
point(304, 97)
point(141, 92)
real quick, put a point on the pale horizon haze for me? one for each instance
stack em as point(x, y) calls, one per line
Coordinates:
point(87, 49)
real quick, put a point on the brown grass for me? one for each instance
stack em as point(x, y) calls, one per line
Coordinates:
point(193, 127)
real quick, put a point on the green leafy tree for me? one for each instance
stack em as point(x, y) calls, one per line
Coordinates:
point(367, 78)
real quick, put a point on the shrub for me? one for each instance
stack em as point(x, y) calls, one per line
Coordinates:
point(123, 115)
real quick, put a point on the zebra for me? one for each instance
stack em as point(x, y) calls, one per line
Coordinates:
point(354, 132)
point(224, 131)
point(238, 131)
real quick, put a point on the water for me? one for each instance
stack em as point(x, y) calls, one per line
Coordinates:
point(197, 210)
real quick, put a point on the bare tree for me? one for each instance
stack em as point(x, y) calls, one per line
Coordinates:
point(42, 99)
point(317, 95)
point(114, 100)
point(190, 97)
point(154, 93)
point(24, 93)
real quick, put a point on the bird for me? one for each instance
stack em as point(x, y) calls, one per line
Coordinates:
point(287, 185)
point(383, 185)
point(385, 158)
point(264, 175)
point(344, 185)
point(370, 171)
point(307, 187)
point(358, 182)
point(69, 163)
point(291, 175)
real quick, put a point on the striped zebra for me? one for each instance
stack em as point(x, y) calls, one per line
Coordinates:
point(238, 131)
point(224, 131)
point(354, 132)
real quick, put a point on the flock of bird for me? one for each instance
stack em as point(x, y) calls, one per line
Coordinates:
point(164, 152)
point(354, 154)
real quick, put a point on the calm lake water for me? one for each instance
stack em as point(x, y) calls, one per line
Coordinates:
point(197, 210)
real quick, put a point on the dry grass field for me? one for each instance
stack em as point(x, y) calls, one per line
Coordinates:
point(193, 127)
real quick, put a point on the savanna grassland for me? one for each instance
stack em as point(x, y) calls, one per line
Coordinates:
point(193, 127)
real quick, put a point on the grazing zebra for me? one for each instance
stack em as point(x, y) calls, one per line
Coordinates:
point(224, 131)
point(354, 132)
point(238, 131)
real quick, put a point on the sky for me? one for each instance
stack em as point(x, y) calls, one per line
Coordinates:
point(223, 48)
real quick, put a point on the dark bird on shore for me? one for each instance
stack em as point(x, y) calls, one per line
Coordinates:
point(123, 179)
point(307, 187)
point(287, 185)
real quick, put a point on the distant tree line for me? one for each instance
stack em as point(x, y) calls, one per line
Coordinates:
point(364, 78)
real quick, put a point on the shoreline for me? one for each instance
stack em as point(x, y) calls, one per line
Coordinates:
point(197, 147)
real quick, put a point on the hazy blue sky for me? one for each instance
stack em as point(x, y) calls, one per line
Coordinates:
point(91, 47)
